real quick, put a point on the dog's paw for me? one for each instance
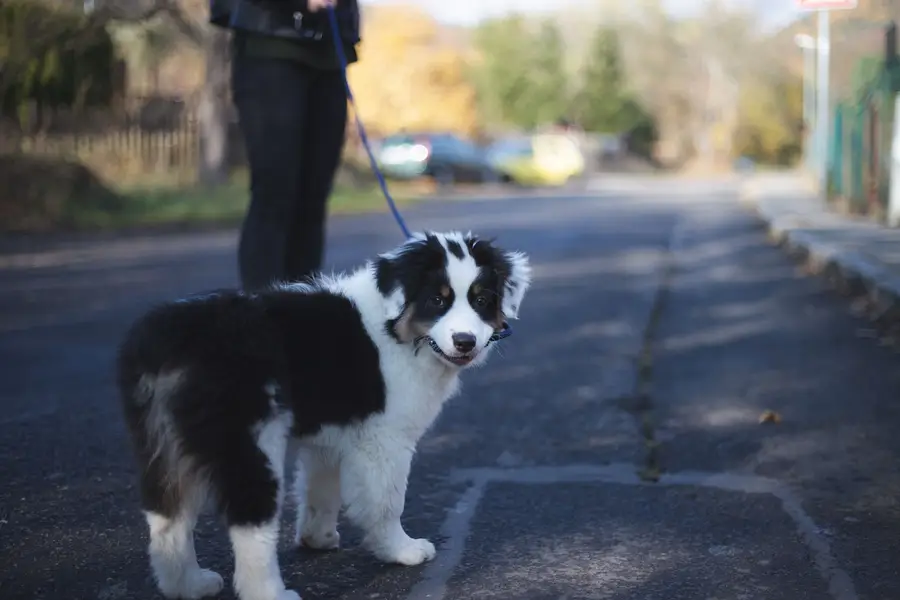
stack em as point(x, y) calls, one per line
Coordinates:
point(411, 552)
point(201, 583)
point(288, 595)
point(330, 540)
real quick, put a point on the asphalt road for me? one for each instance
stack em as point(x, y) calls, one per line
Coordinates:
point(659, 329)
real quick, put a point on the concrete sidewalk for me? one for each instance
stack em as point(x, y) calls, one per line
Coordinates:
point(859, 256)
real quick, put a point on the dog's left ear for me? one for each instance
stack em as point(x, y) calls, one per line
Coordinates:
point(398, 273)
point(390, 287)
point(518, 280)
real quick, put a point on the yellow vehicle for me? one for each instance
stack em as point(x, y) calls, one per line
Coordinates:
point(542, 159)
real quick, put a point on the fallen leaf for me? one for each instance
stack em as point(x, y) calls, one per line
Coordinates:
point(769, 416)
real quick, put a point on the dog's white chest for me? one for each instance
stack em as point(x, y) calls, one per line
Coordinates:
point(416, 393)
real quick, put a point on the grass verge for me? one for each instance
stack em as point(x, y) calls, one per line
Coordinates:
point(223, 204)
point(43, 195)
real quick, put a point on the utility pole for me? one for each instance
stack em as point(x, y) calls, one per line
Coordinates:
point(823, 8)
point(807, 44)
point(823, 111)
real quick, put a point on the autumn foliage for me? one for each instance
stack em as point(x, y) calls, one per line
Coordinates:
point(411, 75)
point(717, 81)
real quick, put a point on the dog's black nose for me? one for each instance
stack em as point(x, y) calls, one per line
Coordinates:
point(464, 342)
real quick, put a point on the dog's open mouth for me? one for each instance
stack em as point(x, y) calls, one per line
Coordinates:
point(461, 361)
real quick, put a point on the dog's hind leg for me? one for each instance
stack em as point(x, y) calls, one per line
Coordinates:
point(174, 561)
point(171, 496)
point(317, 489)
point(171, 515)
point(251, 492)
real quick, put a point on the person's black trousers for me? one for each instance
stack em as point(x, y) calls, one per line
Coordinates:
point(293, 119)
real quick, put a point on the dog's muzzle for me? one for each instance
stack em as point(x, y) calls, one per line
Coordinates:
point(461, 360)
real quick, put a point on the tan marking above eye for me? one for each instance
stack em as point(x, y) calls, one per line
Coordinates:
point(445, 291)
point(476, 288)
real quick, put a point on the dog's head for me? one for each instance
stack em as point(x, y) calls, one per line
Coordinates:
point(451, 293)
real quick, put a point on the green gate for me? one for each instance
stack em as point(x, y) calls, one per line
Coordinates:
point(860, 148)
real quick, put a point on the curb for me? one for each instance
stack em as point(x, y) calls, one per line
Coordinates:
point(850, 272)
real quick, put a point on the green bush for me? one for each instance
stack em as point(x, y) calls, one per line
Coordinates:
point(52, 57)
point(45, 193)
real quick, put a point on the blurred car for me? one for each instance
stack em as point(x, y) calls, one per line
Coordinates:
point(744, 164)
point(444, 157)
point(542, 159)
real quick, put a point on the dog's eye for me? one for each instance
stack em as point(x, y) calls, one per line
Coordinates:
point(436, 301)
point(481, 301)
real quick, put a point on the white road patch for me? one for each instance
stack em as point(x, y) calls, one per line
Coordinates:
point(457, 524)
point(456, 529)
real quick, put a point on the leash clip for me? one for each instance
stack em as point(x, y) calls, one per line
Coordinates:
point(504, 332)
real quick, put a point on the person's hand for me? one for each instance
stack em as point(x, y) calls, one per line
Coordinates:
point(317, 5)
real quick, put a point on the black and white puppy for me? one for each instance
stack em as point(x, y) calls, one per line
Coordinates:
point(356, 366)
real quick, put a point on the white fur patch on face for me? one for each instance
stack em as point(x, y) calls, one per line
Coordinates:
point(461, 318)
point(394, 304)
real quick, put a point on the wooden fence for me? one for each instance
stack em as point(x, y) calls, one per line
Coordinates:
point(135, 156)
point(122, 157)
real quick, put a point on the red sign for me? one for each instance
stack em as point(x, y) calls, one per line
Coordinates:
point(826, 4)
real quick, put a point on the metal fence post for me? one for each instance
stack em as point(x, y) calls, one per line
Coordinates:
point(856, 155)
point(836, 163)
point(893, 208)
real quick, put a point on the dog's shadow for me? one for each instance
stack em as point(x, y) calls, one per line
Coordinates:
point(350, 573)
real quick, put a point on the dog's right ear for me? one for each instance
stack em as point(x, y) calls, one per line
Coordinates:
point(517, 283)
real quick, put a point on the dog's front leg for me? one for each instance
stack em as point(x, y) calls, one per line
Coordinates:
point(373, 479)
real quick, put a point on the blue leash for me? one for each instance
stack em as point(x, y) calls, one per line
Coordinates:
point(342, 58)
point(505, 330)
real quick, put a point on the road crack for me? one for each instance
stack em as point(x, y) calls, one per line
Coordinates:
point(641, 403)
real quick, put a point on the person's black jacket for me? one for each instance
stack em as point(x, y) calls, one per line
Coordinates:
point(287, 19)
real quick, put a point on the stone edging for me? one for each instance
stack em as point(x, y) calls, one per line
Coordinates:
point(851, 272)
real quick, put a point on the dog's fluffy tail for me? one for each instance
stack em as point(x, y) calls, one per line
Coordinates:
point(147, 392)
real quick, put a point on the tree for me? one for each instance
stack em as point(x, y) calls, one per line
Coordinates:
point(547, 96)
point(520, 74)
point(409, 76)
point(770, 112)
point(52, 57)
point(145, 46)
point(660, 74)
point(214, 110)
point(604, 102)
point(500, 72)
point(189, 18)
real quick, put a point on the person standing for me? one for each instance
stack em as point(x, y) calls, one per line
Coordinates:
point(289, 91)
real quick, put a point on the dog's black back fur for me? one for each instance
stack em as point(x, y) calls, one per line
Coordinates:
point(231, 347)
